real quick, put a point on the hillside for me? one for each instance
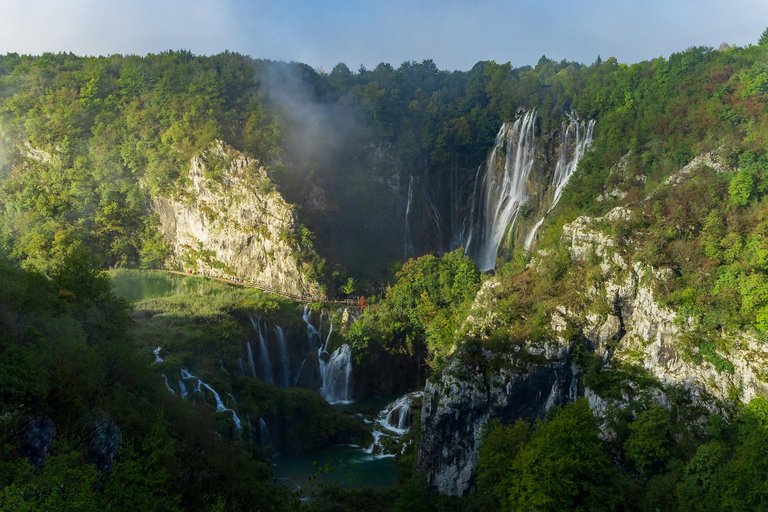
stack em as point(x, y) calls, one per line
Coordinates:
point(566, 263)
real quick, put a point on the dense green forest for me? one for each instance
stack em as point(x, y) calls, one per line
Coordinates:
point(87, 142)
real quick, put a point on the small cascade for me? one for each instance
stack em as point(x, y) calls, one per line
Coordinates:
point(337, 376)
point(265, 438)
point(265, 365)
point(158, 359)
point(395, 422)
point(249, 350)
point(182, 390)
point(409, 251)
point(168, 385)
point(220, 407)
point(285, 362)
point(532, 234)
point(575, 139)
point(396, 417)
point(504, 189)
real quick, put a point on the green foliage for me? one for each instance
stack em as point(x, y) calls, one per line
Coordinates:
point(763, 38)
point(562, 465)
point(421, 308)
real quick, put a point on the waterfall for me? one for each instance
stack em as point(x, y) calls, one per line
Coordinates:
point(336, 368)
point(505, 188)
point(158, 359)
point(409, 250)
point(249, 350)
point(266, 439)
point(313, 335)
point(337, 376)
point(168, 385)
point(220, 407)
point(457, 234)
point(532, 234)
point(473, 220)
point(396, 417)
point(298, 374)
point(438, 224)
point(395, 421)
point(575, 140)
point(265, 365)
point(285, 363)
point(182, 390)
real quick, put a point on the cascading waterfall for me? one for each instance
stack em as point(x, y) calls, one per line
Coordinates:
point(158, 359)
point(395, 422)
point(220, 407)
point(575, 140)
point(168, 386)
point(336, 368)
point(504, 190)
point(285, 362)
point(409, 250)
point(265, 365)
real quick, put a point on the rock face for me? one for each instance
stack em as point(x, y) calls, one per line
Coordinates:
point(231, 222)
point(103, 443)
point(649, 334)
point(457, 407)
point(35, 439)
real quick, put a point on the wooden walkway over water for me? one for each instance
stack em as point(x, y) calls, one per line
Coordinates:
point(265, 287)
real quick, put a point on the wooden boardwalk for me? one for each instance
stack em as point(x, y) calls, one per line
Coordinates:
point(265, 287)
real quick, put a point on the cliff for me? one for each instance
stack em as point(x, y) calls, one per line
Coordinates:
point(230, 221)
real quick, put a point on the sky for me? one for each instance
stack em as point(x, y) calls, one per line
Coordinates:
point(455, 34)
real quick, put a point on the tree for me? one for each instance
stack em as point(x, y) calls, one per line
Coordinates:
point(763, 38)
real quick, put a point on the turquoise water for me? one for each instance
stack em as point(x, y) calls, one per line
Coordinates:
point(368, 470)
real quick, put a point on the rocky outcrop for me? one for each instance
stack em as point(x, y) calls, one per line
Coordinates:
point(35, 439)
point(648, 334)
point(103, 442)
point(231, 222)
point(457, 407)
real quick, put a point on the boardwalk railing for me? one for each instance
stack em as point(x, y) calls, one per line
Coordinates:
point(266, 287)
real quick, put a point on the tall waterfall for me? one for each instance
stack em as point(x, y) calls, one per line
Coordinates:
point(285, 362)
point(409, 250)
point(575, 140)
point(504, 190)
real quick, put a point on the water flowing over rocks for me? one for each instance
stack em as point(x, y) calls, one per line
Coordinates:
point(231, 223)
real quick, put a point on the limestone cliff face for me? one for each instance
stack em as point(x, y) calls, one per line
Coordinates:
point(646, 333)
point(456, 409)
point(231, 222)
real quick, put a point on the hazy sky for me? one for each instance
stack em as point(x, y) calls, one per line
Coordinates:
point(456, 34)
